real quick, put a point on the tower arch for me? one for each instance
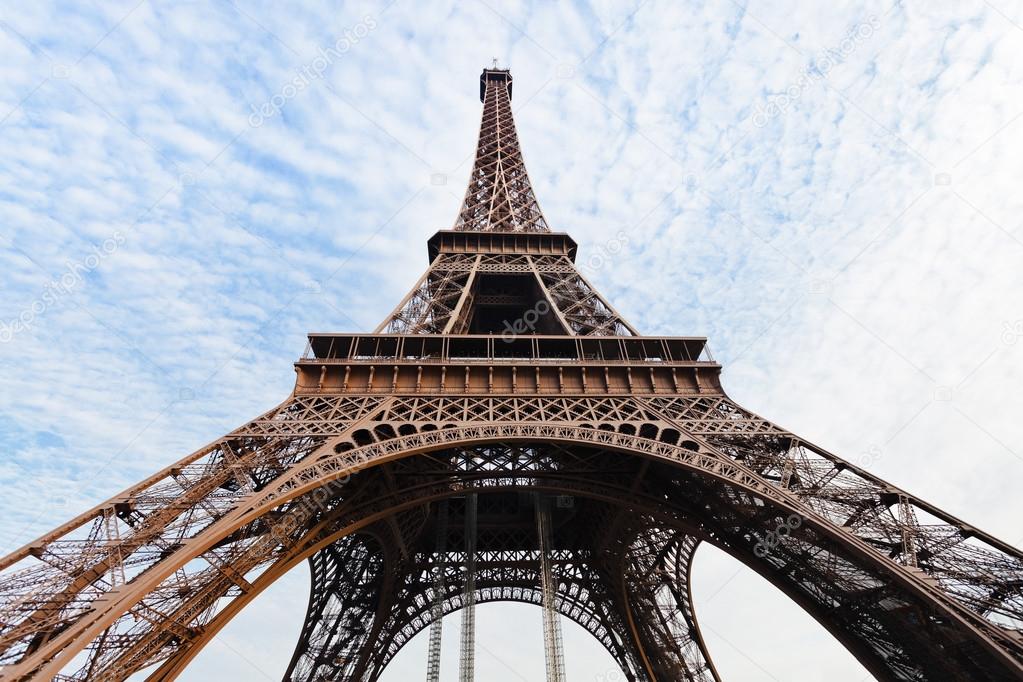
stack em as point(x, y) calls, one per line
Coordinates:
point(501, 379)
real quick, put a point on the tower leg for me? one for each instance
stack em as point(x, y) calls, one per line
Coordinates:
point(349, 583)
point(467, 659)
point(437, 611)
point(655, 598)
point(553, 648)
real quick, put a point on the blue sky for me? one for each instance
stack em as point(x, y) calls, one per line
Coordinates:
point(829, 193)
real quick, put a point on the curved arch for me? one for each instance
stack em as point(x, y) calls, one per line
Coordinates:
point(664, 555)
point(533, 597)
point(691, 455)
point(583, 597)
point(308, 476)
point(690, 606)
point(615, 494)
point(170, 669)
point(175, 666)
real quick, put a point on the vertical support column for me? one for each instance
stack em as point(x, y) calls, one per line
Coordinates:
point(437, 611)
point(552, 642)
point(467, 659)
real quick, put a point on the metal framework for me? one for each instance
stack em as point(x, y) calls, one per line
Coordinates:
point(552, 642)
point(437, 626)
point(501, 377)
point(467, 657)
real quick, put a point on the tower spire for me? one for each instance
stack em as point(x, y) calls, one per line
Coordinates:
point(500, 197)
point(501, 270)
point(504, 375)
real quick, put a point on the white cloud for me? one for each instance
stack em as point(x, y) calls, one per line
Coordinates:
point(848, 259)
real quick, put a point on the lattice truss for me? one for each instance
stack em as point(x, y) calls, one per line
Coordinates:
point(55, 581)
point(500, 196)
point(583, 310)
point(371, 621)
point(442, 301)
point(352, 484)
point(430, 307)
point(150, 575)
point(657, 578)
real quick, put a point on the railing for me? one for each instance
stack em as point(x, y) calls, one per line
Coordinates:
point(435, 348)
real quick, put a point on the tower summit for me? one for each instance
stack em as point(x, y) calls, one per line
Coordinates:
point(501, 270)
point(499, 197)
point(506, 435)
point(495, 75)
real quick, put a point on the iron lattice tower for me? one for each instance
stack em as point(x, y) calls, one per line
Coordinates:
point(633, 437)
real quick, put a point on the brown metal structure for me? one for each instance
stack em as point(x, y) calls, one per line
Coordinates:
point(505, 379)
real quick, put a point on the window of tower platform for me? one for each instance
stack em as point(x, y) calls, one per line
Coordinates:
point(512, 305)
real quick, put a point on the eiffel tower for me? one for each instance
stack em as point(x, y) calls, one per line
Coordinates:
point(506, 435)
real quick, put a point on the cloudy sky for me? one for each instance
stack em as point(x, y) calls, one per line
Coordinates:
point(828, 192)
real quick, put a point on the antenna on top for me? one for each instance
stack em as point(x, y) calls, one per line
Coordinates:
point(495, 62)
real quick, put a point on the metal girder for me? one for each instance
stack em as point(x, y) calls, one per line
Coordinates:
point(443, 300)
point(348, 471)
point(467, 650)
point(437, 612)
point(822, 561)
point(499, 196)
point(553, 646)
point(508, 567)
